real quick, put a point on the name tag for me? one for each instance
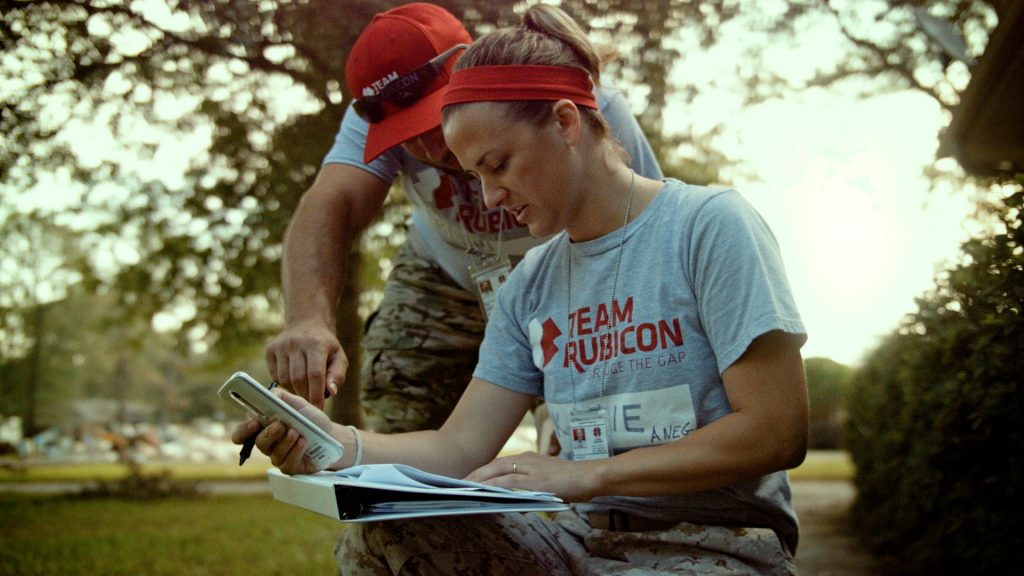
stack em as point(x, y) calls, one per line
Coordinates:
point(488, 276)
point(589, 428)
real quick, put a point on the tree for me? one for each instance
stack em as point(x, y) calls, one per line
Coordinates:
point(39, 263)
point(251, 94)
point(828, 386)
point(209, 72)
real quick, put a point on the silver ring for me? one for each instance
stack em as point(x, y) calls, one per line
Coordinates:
point(515, 468)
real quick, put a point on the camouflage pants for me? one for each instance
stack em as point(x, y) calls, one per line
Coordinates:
point(530, 544)
point(420, 347)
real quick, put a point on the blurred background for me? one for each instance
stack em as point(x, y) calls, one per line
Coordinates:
point(153, 151)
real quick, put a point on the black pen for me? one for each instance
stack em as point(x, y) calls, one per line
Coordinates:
point(250, 442)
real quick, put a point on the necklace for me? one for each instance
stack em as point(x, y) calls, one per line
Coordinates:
point(615, 283)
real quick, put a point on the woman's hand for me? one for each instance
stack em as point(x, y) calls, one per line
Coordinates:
point(570, 481)
point(283, 444)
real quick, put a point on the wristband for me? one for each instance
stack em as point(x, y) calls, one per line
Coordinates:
point(359, 445)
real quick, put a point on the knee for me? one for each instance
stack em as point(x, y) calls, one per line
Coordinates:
point(355, 554)
point(393, 546)
point(381, 548)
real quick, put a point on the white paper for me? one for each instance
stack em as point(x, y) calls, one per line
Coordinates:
point(403, 475)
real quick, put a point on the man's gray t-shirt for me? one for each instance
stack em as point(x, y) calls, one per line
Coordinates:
point(700, 278)
point(449, 218)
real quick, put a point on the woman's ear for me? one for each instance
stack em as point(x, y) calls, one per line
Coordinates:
point(568, 118)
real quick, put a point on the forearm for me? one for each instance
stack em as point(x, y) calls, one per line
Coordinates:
point(732, 449)
point(332, 214)
point(434, 451)
point(313, 263)
point(472, 435)
point(765, 432)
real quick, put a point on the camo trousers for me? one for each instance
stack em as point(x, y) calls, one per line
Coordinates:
point(420, 347)
point(530, 544)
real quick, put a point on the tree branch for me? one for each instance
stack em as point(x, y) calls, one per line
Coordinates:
point(883, 56)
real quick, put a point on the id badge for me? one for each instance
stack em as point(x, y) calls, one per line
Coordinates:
point(589, 428)
point(488, 276)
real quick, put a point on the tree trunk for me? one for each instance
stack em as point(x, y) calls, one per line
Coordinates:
point(347, 407)
point(35, 371)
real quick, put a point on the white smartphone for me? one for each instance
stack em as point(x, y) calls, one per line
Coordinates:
point(243, 390)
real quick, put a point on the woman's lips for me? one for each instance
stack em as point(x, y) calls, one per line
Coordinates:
point(519, 212)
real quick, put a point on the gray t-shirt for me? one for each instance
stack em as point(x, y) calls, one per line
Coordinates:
point(449, 219)
point(700, 278)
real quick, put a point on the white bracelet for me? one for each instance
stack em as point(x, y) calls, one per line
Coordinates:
point(359, 445)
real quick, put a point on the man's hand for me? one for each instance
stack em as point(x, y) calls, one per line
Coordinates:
point(307, 359)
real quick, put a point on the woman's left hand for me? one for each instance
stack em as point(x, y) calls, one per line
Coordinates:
point(570, 481)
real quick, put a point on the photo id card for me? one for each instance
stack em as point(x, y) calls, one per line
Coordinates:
point(589, 429)
point(488, 276)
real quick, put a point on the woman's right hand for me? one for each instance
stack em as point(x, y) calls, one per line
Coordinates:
point(282, 443)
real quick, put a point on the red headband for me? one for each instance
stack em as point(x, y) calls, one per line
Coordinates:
point(521, 82)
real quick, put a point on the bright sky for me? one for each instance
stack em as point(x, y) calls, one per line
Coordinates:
point(843, 189)
point(839, 178)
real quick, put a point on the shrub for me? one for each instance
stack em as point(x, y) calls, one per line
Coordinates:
point(828, 386)
point(936, 417)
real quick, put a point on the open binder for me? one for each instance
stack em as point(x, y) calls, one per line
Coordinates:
point(375, 492)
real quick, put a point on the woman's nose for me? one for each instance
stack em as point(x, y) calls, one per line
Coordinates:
point(494, 194)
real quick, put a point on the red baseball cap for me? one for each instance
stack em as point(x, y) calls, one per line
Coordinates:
point(395, 43)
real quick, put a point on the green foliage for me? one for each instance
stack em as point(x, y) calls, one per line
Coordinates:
point(137, 484)
point(82, 346)
point(828, 387)
point(936, 416)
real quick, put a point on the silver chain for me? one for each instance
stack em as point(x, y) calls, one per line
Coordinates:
point(615, 284)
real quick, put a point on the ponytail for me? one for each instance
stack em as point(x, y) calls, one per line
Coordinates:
point(555, 23)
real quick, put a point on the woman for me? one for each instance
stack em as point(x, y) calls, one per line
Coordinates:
point(658, 326)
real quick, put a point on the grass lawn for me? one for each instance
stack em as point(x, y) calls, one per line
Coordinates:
point(226, 535)
point(253, 470)
point(190, 535)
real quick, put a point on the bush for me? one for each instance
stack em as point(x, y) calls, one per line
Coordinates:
point(139, 485)
point(828, 386)
point(936, 418)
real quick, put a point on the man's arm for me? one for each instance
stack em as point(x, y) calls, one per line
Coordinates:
point(306, 357)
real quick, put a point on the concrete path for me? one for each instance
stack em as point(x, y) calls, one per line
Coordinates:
point(828, 546)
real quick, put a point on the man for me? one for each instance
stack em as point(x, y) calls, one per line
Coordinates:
point(421, 345)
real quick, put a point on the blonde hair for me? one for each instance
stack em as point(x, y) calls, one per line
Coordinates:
point(547, 36)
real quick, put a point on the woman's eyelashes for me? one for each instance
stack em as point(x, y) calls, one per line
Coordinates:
point(496, 170)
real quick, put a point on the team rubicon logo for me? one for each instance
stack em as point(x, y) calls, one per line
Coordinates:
point(542, 340)
point(376, 86)
point(601, 333)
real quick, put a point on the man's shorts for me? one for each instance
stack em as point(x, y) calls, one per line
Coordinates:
point(420, 346)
